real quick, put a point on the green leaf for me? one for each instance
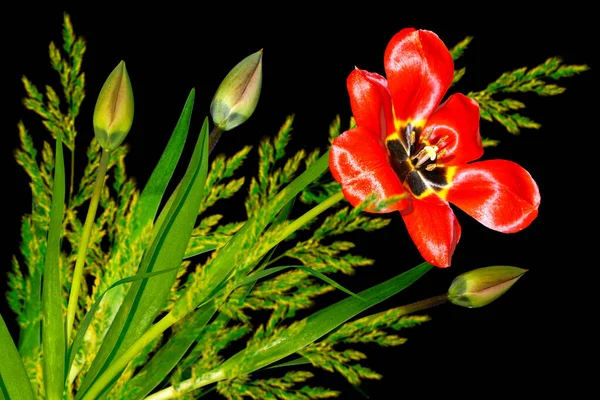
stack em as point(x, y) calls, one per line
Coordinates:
point(154, 190)
point(146, 298)
point(53, 323)
point(315, 326)
point(14, 383)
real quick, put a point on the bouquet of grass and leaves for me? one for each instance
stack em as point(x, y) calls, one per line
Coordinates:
point(127, 292)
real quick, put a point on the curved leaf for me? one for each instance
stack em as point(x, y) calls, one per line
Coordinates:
point(156, 186)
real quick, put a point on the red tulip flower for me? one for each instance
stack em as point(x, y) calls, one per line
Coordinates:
point(406, 143)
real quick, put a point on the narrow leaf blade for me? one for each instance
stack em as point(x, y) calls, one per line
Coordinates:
point(53, 323)
point(156, 186)
point(14, 383)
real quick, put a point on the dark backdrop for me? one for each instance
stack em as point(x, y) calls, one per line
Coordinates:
point(511, 345)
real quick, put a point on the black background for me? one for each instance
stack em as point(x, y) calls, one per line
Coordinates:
point(515, 345)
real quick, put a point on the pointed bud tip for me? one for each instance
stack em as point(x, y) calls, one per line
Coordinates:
point(238, 94)
point(113, 114)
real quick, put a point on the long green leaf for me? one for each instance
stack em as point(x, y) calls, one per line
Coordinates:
point(53, 323)
point(307, 331)
point(156, 186)
point(14, 383)
point(146, 298)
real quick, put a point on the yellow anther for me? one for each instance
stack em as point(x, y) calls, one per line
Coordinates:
point(431, 167)
point(426, 136)
point(431, 152)
point(428, 152)
point(412, 137)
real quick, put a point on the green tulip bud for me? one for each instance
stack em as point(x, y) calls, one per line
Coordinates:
point(481, 286)
point(237, 96)
point(113, 114)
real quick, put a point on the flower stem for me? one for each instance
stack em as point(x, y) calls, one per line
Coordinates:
point(213, 138)
point(424, 304)
point(312, 213)
point(83, 244)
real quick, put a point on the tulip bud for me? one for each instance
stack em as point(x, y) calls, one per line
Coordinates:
point(237, 96)
point(481, 286)
point(113, 114)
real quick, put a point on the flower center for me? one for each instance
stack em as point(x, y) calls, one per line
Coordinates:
point(413, 158)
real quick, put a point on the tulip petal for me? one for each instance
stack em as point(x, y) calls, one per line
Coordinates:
point(359, 162)
point(454, 129)
point(434, 229)
point(499, 194)
point(419, 69)
point(371, 102)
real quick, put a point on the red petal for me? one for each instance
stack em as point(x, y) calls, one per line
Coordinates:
point(500, 194)
point(371, 102)
point(454, 127)
point(359, 162)
point(434, 229)
point(419, 70)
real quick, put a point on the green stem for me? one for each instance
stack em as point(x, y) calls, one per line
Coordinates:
point(183, 308)
point(312, 213)
point(213, 138)
point(83, 244)
point(212, 377)
point(423, 304)
point(120, 363)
